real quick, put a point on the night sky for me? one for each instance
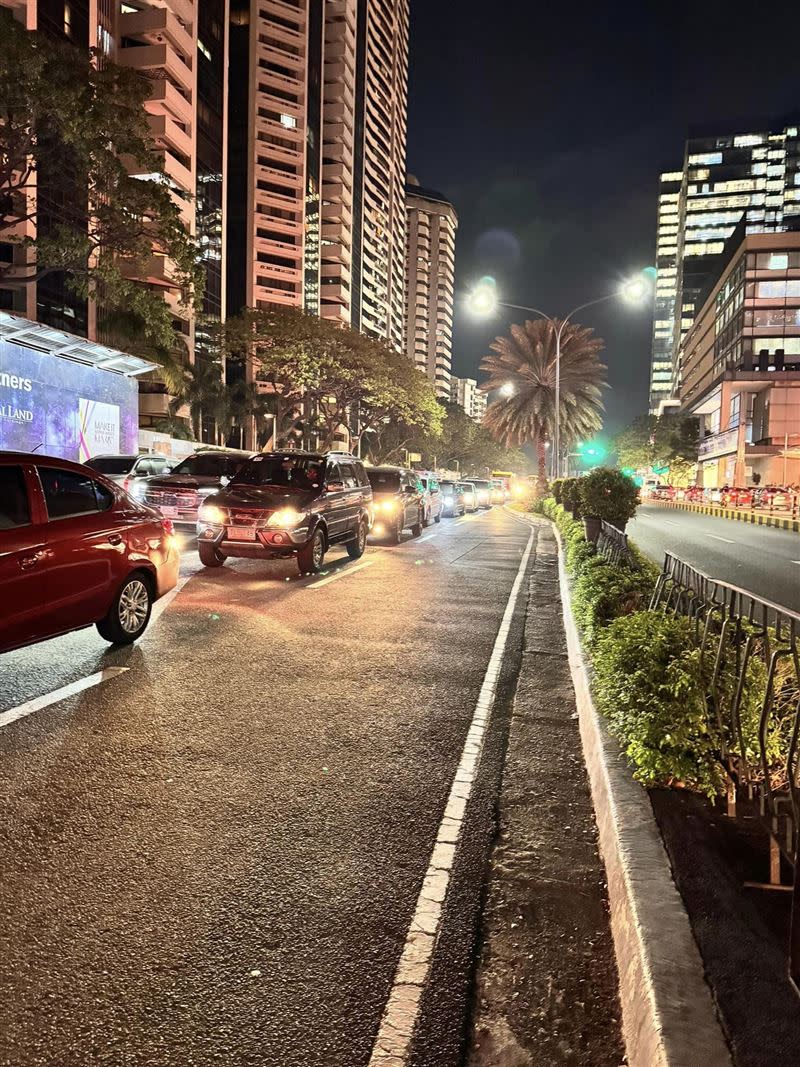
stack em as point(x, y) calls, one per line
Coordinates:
point(547, 126)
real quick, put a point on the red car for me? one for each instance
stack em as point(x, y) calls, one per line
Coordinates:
point(76, 550)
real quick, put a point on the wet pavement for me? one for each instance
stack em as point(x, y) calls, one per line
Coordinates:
point(214, 856)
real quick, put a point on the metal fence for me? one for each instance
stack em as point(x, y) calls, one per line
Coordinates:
point(613, 545)
point(750, 650)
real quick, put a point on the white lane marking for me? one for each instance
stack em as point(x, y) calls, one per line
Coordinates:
point(393, 1043)
point(797, 561)
point(669, 522)
point(427, 537)
point(30, 706)
point(727, 540)
point(343, 573)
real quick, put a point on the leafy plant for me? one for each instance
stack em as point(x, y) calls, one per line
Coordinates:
point(605, 591)
point(571, 495)
point(525, 360)
point(608, 494)
point(649, 684)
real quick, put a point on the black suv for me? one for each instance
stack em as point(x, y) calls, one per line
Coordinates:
point(179, 495)
point(282, 504)
point(399, 497)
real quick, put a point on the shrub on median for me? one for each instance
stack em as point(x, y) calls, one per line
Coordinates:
point(606, 591)
point(650, 686)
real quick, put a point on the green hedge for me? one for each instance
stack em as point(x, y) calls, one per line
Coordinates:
point(650, 681)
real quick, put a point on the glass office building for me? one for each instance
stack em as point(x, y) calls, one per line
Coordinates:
point(724, 178)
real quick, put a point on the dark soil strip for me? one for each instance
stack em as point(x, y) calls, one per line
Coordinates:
point(546, 987)
point(742, 933)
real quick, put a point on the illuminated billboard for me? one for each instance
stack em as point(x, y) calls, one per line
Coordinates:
point(55, 407)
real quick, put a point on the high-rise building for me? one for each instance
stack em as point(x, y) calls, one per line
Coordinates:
point(754, 175)
point(465, 393)
point(316, 166)
point(430, 282)
point(186, 70)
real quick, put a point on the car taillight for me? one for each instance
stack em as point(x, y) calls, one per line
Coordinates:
point(168, 526)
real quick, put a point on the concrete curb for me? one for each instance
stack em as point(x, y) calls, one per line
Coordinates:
point(754, 517)
point(668, 1014)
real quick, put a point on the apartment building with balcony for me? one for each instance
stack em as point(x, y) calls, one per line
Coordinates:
point(316, 164)
point(430, 283)
point(465, 393)
point(739, 364)
point(755, 175)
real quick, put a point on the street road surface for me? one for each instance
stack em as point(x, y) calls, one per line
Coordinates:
point(214, 855)
point(761, 559)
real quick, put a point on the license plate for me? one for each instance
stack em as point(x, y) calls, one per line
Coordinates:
point(241, 533)
point(168, 512)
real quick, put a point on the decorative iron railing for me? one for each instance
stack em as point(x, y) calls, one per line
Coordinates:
point(612, 544)
point(750, 649)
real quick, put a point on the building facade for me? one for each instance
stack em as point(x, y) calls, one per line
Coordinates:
point(316, 166)
point(465, 393)
point(430, 283)
point(739, 365)
point(724, 178)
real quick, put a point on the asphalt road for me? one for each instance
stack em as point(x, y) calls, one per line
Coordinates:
point(761, 559)
point(214, 856)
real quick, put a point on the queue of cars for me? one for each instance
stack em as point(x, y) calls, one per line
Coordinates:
point(94, 544)
point(770, 497)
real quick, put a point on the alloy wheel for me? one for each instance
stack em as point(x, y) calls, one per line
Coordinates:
point(134, 602)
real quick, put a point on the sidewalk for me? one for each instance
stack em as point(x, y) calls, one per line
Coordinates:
point(546, 987)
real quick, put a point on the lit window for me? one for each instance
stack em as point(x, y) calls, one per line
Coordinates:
point(779, 261)
point(748, 140)
point(289, 121)
point(708, 158)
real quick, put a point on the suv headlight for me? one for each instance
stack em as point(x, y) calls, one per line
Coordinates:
point(288, 518)
point(210, 513)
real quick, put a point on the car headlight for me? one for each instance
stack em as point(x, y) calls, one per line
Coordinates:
point(387, 505)
point(286, 517)
point(212, 514)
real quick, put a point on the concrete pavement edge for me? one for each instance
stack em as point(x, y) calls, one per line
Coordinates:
point(778, 522)
point(668, 1013)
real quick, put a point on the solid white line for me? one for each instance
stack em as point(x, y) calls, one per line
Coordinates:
point(427, 537)
point(393, 1043)
point(797, 561)
point(343, 573)
point(30, 706)
point(725, 539)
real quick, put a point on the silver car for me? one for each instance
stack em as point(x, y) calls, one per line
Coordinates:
point(127, 470)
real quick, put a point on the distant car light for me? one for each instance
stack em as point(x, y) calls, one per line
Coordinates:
point(286, 517)
point(212, 514)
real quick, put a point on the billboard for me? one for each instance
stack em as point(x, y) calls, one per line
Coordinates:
point(56, 407)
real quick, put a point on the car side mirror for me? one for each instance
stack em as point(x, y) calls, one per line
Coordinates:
point(410, 489)
point(335, 487)
point(224, 480)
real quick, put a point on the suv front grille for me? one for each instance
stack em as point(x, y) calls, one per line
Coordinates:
point(172, 498)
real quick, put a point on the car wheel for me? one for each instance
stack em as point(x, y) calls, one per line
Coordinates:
point(210, 556)
point(129, 615)
point(311, 557)
point(418, 526)
point(355, 549)
point(395, 533)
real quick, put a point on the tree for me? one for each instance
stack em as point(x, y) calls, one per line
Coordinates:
point(658, 441)
point(64, 114)
point(320, 376)
point(522, 368)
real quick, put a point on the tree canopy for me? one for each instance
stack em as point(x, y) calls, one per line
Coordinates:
point(660, 441)
point(63, 114)
point(522, 370)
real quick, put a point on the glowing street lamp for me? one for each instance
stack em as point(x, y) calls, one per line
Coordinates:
point(507, 389)
point(483, 301)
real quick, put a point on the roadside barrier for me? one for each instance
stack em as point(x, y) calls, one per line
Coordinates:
point(750, 649)
point(612, 544)
point(781, 521)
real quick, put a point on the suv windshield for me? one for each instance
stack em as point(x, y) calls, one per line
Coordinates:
point(111, 464)
point(285, 472)
point(209, 465)
point(384, 481)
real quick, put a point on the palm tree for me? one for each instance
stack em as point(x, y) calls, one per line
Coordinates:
point(522, 368)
